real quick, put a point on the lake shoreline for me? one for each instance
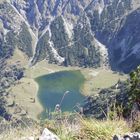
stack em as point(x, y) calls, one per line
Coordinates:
point(93, 78)
point(49, 70)
point(25, 95)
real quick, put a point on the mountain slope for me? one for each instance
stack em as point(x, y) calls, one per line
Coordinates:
point(117, 26)
point(72, 32)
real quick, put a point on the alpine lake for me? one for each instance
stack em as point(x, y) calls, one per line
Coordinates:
point(63, 88)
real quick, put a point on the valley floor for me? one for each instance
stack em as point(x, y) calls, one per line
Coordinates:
point(25, 92)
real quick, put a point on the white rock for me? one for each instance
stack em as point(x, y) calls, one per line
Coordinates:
point(29, 138)
point(47, 135)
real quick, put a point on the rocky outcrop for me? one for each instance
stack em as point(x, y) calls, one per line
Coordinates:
point(48, 135)
point(131, 136)
point(29, 138)
point(116, 24)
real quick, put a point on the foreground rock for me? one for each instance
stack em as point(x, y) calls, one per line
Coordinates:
point(131, 136)
point(47, 135)
point(30, 138)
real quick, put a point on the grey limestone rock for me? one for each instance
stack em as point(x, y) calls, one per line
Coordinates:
point(130, 136)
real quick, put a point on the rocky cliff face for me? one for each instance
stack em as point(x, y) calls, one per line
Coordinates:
point(72, 32)
point(116, 24)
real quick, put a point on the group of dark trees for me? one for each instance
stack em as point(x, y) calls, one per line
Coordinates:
point(134, 93)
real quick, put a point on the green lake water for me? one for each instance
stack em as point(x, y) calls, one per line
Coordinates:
point(53, 86)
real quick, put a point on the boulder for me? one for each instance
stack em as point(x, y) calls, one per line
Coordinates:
point(27, 138)
point(130, 136)
point(117, 137)
point(10, 102)
point(47, 135)
point(23, 113)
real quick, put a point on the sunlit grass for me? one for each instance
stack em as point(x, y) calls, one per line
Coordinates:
point(102, 130)
point(77, 129)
